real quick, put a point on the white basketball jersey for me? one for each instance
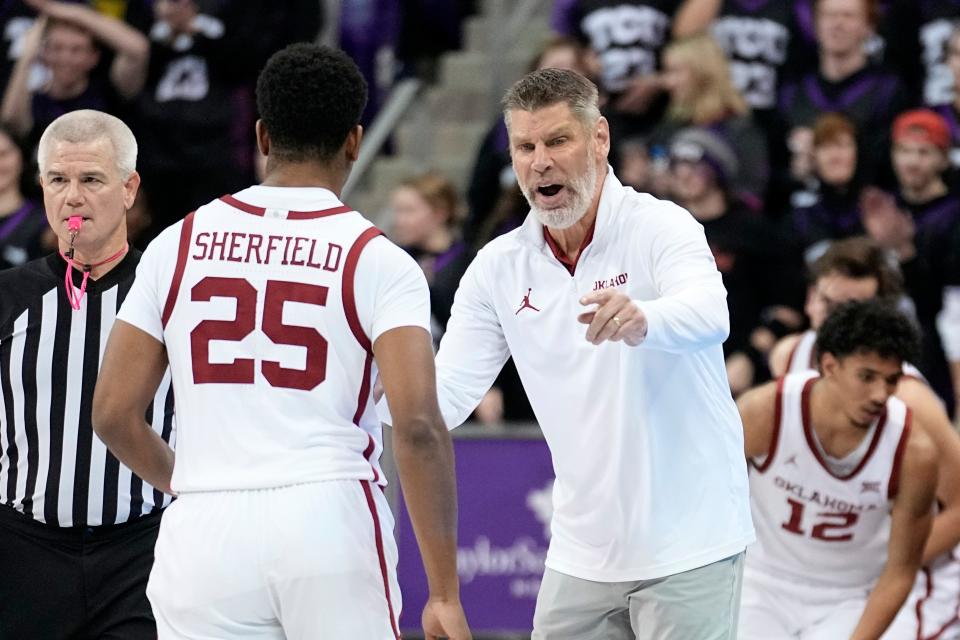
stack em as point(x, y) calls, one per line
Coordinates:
point(803, 357)
point(813, 525)
point(269, 316)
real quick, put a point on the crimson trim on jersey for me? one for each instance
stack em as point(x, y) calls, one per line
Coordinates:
point(946, 625)
point(349, 296)
point(808, 433)
point(928, 574)
point(291, 215)
point(918, 607)
point(380, 556)
point(894, 483)
point(353, 320)
point(793, 353)
point(775, 436)
point(186, 233)
point(371, 445)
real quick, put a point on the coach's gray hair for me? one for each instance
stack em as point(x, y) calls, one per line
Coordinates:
point(547, 87)
point(87, 125)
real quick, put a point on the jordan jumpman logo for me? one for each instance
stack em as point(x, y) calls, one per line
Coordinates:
point(526, 303)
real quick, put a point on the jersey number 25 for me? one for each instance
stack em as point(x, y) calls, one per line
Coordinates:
point(241, 370)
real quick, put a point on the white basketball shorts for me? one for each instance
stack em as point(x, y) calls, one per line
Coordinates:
point(306, 561)
point(778, 609)
point(932, 611)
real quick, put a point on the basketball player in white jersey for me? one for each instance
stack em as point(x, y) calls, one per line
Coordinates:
point(858, 269)
point(276, 307)
point(842, 486)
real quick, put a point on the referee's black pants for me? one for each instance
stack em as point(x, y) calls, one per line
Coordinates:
point(75, 583)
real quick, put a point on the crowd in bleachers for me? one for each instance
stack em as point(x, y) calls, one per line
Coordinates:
point(780, 125)
point(182, 74)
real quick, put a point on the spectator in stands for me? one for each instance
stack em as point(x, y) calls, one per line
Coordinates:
point(845, 80)
point(66, 39)
point(16, 18)
point(628, 37)
point(951, 111)
point(923, 29)
point(921, 225)
point(745, 245)
point(882, 48)
point(425, 221)
point(368, 33)
point(702, 94)
point(22, 220)
point(495, 204)
point(829, 209)
point(195, 112)
point(759, 38)
point(429, 28)
point(644, 168)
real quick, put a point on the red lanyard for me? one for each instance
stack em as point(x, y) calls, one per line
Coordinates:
point(72, 296)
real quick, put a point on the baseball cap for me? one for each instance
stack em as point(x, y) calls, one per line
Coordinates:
point(702, 145)
point(922, 125)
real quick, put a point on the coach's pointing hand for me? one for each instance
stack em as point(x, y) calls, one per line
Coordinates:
point(614, 318)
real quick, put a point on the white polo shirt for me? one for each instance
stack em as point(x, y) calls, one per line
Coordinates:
point(647, 443)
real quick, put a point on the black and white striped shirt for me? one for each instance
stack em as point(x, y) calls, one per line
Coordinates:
point(53, 467)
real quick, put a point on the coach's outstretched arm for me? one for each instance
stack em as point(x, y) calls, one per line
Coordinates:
point(690, 310)
point(132, 369)
point(424, 456)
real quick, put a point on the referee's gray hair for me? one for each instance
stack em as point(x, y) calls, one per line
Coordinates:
point(88, 125)
point(547, 87)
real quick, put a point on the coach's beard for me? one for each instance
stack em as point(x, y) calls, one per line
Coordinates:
point(581, 190)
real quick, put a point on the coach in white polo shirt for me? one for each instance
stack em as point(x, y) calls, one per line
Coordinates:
point(612, 307)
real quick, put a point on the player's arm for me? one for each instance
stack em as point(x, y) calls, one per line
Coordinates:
point(133, 366)
point(757, 411)
point(424, 457)
point(911, 518)
point(779, 359)
point(928, 411)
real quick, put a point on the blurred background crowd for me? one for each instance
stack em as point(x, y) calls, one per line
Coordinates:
point(781, 125)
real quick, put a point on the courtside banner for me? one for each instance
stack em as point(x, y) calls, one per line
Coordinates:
point(504, 488)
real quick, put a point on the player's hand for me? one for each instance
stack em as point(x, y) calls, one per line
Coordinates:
point(445, 619)
point(614, 318)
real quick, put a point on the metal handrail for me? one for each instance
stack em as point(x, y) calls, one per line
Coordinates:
point(502, 37)
point(400, 99)
point(406, 91)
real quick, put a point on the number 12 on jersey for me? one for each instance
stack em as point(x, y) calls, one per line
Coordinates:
point(830, 526)
point(242, 370)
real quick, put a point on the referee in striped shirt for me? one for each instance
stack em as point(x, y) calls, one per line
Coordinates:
point(77, 528)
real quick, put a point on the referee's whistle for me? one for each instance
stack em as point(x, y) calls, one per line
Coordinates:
point(74, 223)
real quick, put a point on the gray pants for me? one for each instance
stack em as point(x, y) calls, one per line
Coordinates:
point(700, 604)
